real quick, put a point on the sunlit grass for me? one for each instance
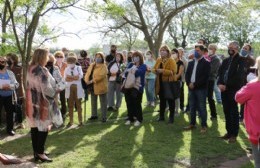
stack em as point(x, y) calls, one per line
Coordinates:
point(153, 144)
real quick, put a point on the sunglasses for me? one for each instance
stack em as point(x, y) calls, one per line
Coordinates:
point(59, 56)
point(2, 62)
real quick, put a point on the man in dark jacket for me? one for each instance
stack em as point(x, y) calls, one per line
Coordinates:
point(196, 77)
point(231, 76)
point(112, 54)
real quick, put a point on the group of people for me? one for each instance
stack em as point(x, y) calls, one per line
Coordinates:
point(55, 81)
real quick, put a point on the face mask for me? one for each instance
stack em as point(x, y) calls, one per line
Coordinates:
point(98, 60)
point(196, 55)
point(136, 59)
point(9, 62)
point(243, 53)
point(163, 53)
point(174, 56)
point(49, 64)
point(129, 59)
point(71, 65)
point(117, 59)
point(210, 52)
point(2, 67)
point(231, 52)
point(59, 60)
point(148, 56)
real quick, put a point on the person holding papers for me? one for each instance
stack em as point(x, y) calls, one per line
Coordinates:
point(8, 84)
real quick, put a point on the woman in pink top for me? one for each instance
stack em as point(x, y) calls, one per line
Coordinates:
point(250, 96)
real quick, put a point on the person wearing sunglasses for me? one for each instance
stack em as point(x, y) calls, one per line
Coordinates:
point(8, 84)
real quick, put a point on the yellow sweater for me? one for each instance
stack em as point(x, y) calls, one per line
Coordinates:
point(99, 78)
point(169, 71)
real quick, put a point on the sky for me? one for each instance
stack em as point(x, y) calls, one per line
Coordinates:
point(76, 21)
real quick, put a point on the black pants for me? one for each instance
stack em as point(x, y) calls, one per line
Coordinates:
point(134, 104)
point(63, 104)
point(241, 116)
point(230, 108)
point(182, 96)
point(38, 140)
point(9, 109)
point(211, 100)
point(171, 104)
point(19, 111)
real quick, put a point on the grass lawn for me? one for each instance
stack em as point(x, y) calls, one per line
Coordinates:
point(153, 144)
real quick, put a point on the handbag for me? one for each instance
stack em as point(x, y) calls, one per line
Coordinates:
point(55, 114)
point(129, 82)
point(171, 89)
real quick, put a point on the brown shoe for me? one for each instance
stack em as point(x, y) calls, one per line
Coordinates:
point(232, 139)
point(203, 130)
point(190, 127)
point(225, 137)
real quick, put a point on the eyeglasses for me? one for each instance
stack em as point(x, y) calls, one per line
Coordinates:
point(59, 57)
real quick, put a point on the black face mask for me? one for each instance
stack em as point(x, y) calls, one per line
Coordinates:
point(2, 67)
point(129, 59)
point(49, 64)
point(113, 51)
point(231, 52)
point(9, 62)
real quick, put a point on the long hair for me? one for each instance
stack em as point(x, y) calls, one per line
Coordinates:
point(40, 57)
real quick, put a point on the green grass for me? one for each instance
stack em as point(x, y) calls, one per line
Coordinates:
point(153, 144)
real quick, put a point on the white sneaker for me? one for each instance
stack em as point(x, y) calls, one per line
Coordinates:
point(128, 122)
point(137, 123)
point(152, 104)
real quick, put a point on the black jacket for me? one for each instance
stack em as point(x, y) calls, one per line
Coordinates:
point(236, 74)
point(202, 73)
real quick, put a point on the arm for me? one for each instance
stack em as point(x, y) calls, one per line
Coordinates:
point(140, 71)
point(181, 70)
point(97, 77)
point(14, 84)
point(45, 83)
point(243, 95)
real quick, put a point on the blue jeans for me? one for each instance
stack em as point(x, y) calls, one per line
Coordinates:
point(197, 101)
point(217, 93)
point(150, 90)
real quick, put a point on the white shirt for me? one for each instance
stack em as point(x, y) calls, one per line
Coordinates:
point(113, 69)
point(77, 70)
point(193, 76)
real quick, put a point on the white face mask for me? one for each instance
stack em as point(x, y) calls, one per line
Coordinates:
point(174, 56)
point(59, 60)
point(148, 56)
point(71, 65)
point(210, 52)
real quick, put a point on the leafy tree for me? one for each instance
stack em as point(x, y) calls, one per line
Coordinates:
point(150, 17)
point(25, 18)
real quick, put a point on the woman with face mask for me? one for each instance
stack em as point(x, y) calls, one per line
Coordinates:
point(165, 69)
point(8, 84)
point(73, 91)
point(150, 79)
point(59, 56)
point(12, 61)
point(115, 70)
point(96, 78)
point(180, 71)
point(133, 96)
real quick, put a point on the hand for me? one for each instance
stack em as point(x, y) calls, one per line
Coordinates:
point(6, 87)
point(159, 71)
point(222, 88)
point(89, 82)
point(191, 86)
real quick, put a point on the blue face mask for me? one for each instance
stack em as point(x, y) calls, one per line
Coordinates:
point(136, 59)
point(196, 54)
point(98, 60)
point(243, 53)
